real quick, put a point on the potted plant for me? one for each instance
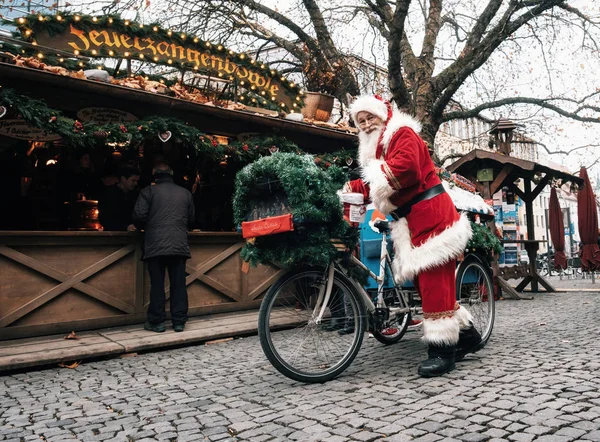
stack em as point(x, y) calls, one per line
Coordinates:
point(322, 83)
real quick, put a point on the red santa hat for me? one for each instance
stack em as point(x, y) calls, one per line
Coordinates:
point(374, 104)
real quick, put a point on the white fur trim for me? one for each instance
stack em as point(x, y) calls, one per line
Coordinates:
point(368, 103)
point(373, 174)
point(385, 206)
point(399, 120)
point(437, 250)
point(465, 319)
point(443, 331)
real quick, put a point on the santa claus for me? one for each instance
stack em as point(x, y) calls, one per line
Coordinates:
point(428, 234)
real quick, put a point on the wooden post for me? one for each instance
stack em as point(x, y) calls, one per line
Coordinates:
point(530, 230)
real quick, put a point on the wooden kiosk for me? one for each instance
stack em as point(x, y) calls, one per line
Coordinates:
point(58, 281)
point(505, 171)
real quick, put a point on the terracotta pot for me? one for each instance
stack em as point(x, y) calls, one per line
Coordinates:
point(317, 106)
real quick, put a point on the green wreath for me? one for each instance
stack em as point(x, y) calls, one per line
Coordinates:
point(314, 205)
point(483, 240)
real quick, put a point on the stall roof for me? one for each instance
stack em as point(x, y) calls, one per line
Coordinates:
point(71, 94)
point(478, 159)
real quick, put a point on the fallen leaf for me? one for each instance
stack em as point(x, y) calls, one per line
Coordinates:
point(71, 365)
point(72, 335)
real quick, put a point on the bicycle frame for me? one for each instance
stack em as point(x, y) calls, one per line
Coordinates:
point(325, 290)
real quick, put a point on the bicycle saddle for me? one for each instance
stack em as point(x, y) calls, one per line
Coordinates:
point(382, 226)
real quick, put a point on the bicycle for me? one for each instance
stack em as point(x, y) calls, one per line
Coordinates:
point(312, 320)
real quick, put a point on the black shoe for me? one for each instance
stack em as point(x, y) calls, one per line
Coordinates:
point(158, 328)
point(178, 327)
point(469, 341)
point(335, 324)
point(441, 361)
point(348, 329)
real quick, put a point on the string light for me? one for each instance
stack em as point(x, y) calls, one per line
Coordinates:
point(94, 52)
point(155, 28)
point(126, 54)
point(77, 18)
point(27, 32)
point(170, 61)
point(126, 23)
point(94, 19)
point(155, 58)
point(21, 20)
point(76, 52)
point(169, 33)
point(182, 36)
point(141, 56)
point(40, 18)
point(111, 53)
point(40, 55)
point(59, 18)
point(195, 39)
point(110, 20)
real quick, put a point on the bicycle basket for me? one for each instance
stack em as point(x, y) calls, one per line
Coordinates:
point(269, 212)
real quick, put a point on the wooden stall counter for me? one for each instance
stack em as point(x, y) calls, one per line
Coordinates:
point(55, 282)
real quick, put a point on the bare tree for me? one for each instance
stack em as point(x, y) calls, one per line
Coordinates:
point(433, 48)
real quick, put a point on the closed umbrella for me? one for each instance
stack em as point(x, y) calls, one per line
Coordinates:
point(588, 225)
point(557, 231)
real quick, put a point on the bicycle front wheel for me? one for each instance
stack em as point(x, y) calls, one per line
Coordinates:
point(475, 291)
point(296, 342)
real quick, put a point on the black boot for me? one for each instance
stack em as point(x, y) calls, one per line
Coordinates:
point(335, 323)
point(348, 328)
point(441, 361)
point(469, 341)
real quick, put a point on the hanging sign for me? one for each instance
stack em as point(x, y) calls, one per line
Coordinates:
point(484, 175)
point(111, 36)
point(20, 130)
point(102, 115)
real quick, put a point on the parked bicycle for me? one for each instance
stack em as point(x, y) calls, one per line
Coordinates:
point(312, 321)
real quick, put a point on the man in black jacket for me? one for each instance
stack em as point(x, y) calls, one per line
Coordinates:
point(166, 211)
point(116, 204)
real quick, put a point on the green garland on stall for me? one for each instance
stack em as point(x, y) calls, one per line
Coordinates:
point(483, 240)
point(89, 135)
point(314, 204)
point(31, 25)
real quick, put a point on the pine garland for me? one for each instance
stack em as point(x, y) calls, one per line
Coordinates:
point(197, 143)
point(314, 204)
point(484, 241)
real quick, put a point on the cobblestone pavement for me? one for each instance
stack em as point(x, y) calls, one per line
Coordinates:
point(538, 379)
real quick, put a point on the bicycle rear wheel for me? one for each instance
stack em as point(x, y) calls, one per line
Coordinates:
point(301, 347)
point(475, 291)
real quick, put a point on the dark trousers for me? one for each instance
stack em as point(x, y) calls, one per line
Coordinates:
point(179, 297)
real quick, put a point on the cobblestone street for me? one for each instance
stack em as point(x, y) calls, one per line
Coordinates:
point(538, 379)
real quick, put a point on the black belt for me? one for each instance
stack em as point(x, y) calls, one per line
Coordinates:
point(401, 212)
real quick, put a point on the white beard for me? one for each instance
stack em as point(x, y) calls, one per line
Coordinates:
point(367, 146)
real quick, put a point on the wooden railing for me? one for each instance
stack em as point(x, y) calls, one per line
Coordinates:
point(53, 282)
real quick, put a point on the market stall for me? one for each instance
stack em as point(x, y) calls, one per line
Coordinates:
point(58, 271)
point(492, 171)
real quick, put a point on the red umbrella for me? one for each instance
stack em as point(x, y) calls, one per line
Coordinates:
point(588, 224)
point(557, 231)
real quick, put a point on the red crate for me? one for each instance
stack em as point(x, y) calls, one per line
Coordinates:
point(267, 226)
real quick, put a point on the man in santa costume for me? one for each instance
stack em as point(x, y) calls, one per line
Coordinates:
point(428, 234)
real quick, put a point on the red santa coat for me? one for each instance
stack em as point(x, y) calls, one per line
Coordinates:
point(433, 233)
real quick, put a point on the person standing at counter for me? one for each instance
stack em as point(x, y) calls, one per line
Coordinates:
point(117, 202)
point(166, 211)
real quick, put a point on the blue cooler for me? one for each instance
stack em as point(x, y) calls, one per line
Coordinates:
point(370, 248)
